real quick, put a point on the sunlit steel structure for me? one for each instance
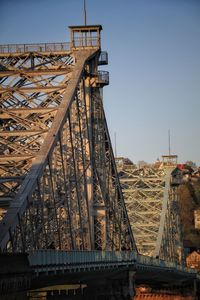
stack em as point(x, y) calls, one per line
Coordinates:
point(153, 208)
point(59, 186)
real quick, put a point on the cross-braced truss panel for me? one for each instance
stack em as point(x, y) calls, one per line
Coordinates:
point(152, 206)
point(32, 88)
point(143, 191)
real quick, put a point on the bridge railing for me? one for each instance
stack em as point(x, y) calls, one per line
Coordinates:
point(102, 78)
point(103, 58)
point(85, 42)
point(151, 261)
point(41, 47)
point(72, 259)
point(51, 257)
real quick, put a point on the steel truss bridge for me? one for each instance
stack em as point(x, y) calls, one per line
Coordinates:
point(152, 203)
point(59, 185)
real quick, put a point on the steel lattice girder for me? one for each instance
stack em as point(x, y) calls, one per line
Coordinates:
point(58, 181)
point(152, 206)
point(171, 247)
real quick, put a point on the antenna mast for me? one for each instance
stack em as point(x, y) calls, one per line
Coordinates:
point(169, 142)
point(85, 15)
point(115, 144)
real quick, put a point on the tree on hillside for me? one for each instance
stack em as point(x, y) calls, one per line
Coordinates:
point(191, 164)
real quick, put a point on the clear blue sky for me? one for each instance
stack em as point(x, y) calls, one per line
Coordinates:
point(154, 64)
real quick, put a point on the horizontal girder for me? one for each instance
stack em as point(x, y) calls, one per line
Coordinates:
point(41, 89)
point(39, 72)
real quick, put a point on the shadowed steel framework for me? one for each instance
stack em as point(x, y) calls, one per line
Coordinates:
point(58, 180)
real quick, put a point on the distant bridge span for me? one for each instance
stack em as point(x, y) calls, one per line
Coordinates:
point(152, 201)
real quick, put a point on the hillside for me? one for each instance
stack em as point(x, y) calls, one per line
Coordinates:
point(189, 193)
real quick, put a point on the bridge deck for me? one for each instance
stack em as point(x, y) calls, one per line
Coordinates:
point(48, 262)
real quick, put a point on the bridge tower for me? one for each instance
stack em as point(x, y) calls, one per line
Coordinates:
point(59, 186)
point(153, 208)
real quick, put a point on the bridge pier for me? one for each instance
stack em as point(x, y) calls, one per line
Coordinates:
point(131, 284)
point(112, 289)
point(195, 290)
point(15, 276)
point(191, 290)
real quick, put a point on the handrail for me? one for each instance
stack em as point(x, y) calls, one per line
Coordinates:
point(39, 47)
point(103, 76)
point(51, 257)
point(50, 47)
point(103, 58)
point(39, 258)
point(82, 42)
